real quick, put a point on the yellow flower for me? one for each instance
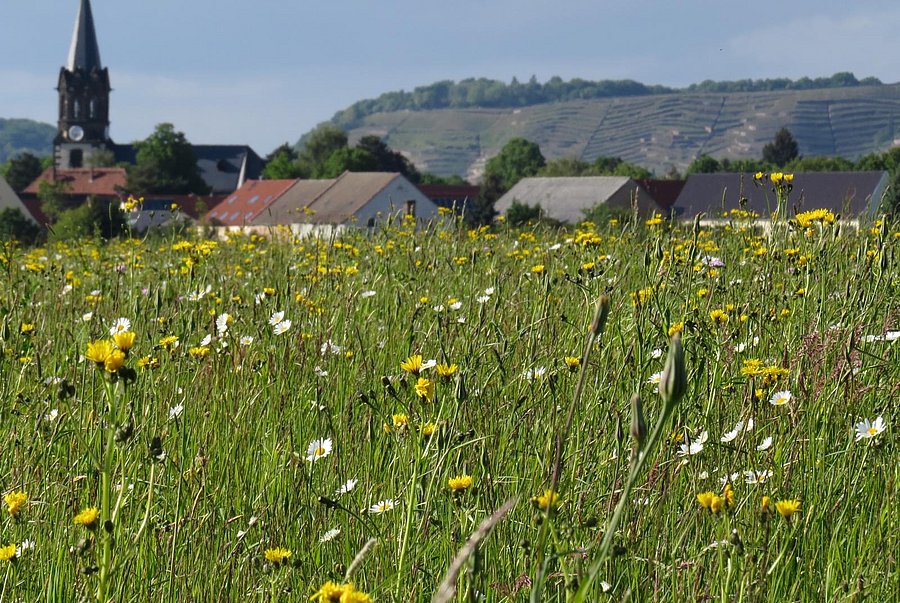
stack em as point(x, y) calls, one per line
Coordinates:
point(728, 495)
point(199, 352)
point(8, 552)
point(15, 501)
point(114, 361)
point(549, 500)
point(27, 328)
point(537, 269)
point(413, 364)
point(400, 421)
point(425, 388)
point(124, 340)
point(678, 327)
point(572, 362)
point(786, 508)
point(277, 555)
point(329, 592)
point(717, 504)
point(460, 483)
point(355, 596)
point(87, 518)
point(705, 499)
point(446, 370)
point(764, 505)
point(776, 177)
point(428, 429)
point(99, 351)
point(719, 316)
point(759, 176)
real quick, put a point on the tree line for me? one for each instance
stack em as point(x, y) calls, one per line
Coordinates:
point(489, 93)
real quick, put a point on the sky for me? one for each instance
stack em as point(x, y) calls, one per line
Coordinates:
point(264, 72)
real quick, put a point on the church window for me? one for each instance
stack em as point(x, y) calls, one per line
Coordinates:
point(76, 109)
point(92, 108)
point(76, 158)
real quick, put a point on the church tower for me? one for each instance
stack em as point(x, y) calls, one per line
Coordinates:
point(83, 125)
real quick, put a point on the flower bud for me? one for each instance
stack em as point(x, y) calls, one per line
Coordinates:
point(638, 425)
point(601, 313)
point(673, 384)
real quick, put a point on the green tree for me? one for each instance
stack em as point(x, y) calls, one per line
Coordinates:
point(102, 158)
point(781, 150)
point(281, 164)
point(521, 214)
point(52, 195)
point(819, 164)
point(566, 167)
point(318, 146)
point(519, 158)
point(21, 170)
point(165, 164)
point(93, 218)
point(347, 159)
point(388, 160)
point(15, 226)
point(452, 180)
point(704, 164)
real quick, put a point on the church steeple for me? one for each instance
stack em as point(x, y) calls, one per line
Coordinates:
point(84, 53)
point(83, 125)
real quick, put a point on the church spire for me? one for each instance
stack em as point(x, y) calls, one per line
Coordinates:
point(84, 53)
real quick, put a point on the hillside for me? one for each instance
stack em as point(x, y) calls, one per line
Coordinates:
point(20, 135)
point(658, 130)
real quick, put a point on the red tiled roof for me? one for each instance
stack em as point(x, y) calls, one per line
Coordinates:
point(247, 202)
point(83, 182)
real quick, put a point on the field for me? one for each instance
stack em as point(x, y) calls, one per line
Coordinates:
point(259, 420)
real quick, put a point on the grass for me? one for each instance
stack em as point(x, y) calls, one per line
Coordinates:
point(202, 459)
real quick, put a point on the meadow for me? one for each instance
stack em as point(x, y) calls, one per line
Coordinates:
point(266, 419)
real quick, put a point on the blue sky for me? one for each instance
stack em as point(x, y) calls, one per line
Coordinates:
point(264, 72)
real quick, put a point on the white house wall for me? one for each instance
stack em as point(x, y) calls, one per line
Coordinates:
point(392, 200)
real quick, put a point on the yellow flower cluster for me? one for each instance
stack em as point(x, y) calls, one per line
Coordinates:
point(770, 374)
point(331, 592)
point(549, 500)
point(460, 483)
point(15, 501)
point(814, 216)
point(278, 555)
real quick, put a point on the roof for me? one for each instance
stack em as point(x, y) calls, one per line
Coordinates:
point(448, 195)
point(563, 199)
point(664, 192)
point(222, 166)
point(247, 202)
point(846, 193)
point(83, 182)
point(291, 204)
point(349, 193)
point(84, 52)
point(194, 206)
point(9, 199)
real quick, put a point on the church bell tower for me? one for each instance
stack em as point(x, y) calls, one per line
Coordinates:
point(83, 125)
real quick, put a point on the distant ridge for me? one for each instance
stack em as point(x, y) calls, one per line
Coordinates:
point(25, 135)
point(653, 126)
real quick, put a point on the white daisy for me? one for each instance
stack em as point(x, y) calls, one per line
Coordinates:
point(320, 372)
point(489, 291)
point(535, 373)
point(757, 477)
point(347, 487)
point(430, 363)
point(276, 318)
point(175, 411)
point(120, 326)
point(222, 323)
point(867, 431)
point(87, 316)
point(205, 341)
point(318, 449)
point(52, 415)
point(656, 353)
point(246, 340)
point(766, 443)
point(27, 545)
point(456, 305)
point(481, 299)
point(781, 398)
point(382, 506)
point(695, 447)
point(733, 434)
point(330, 535)
point(655, 378)
point(199, 293)
point(281, 327)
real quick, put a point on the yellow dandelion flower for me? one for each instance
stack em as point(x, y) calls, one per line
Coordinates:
point(355, 596)
point(99, 351)
point(124, 340)
point(678, 327)
point(549, 500)
point(705, 499)
point(199, 352)
point(537, 269)
point(717, 504)
point(330, 592)
point(446, 370)
point(786, 508)
point(87, 518)
point(114, 361)
point(425, 389)
point(400, 421)
point(728, 495)
point(719, 316)
point(412, 365)
point(278, 555)
point(15, 501)
point(8, 553)
point(27, 328)
point(460, 483)
point(572, 362)
point(428, 429)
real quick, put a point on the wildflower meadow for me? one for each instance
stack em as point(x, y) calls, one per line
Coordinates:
point(639, 410)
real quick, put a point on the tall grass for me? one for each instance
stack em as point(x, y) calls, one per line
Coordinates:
point(208, 466)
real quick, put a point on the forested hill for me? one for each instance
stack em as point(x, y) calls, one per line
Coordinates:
point(654, 127)
point(21, 135)
point(494, 94)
